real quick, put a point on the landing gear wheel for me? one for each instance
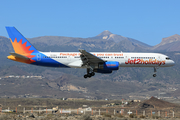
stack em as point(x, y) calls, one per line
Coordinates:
point(154, 75)
point(89, 75)
point(85, 76)
point(92, 74)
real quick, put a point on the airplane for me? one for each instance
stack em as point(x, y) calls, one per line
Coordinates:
point(99, 62)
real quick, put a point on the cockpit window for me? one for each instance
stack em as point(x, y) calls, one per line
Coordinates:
point(167, 58)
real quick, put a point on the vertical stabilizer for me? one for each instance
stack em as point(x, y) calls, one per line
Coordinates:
point(20, 44)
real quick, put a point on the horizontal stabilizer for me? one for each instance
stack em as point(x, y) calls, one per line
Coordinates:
point(20, 56)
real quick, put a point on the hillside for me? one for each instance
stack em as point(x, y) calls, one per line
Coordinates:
point(5, 45)
point(69, 86)
point(107, 35)
point(157, 103)
point(54, 83)
point(105, 41)
point(169, 44)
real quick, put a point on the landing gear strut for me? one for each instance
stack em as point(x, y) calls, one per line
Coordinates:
point(154, 75)
point(89, 73)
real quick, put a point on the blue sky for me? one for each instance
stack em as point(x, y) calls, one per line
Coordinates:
point(145, 20)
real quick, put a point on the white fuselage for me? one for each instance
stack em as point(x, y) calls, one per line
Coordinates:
point(72, 59)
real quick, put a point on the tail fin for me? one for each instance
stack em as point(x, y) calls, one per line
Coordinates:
point(20, 44)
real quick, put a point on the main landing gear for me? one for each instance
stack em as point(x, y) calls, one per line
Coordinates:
point(154, 75)
point(89, 74)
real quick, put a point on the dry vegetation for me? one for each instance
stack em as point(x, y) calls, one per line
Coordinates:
point(49, 103)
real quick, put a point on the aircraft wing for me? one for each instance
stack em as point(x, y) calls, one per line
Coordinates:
point(20, 56)
point(90, 57)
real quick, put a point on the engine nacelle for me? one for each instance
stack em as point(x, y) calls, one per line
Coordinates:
point(110, 65)
point(102, 71)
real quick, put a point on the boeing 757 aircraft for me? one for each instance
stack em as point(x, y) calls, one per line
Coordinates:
point(99, 62)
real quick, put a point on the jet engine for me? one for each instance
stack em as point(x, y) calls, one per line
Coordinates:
point(109, 65)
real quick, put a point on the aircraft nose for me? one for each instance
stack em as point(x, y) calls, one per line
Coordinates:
point(172, 63)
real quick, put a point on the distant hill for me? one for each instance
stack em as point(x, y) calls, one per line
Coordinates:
point(107, 35)
point(13, 70)
point(67, 85)
point(153, 103)
point(54, 43)
point(157, 103)
point(5, 45)
point(105, 41)
point(169, 44)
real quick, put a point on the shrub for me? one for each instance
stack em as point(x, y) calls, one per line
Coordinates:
point(132, 116)
point(106, 115)
point(155, 117)
point(119, 115)
point(141, 116)
point(86, 117)
point(3, 117)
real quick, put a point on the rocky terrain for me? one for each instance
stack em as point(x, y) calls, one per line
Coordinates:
point(149, 109)
point(168, 44)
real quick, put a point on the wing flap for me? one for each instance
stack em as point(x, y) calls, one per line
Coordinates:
point(91, 58)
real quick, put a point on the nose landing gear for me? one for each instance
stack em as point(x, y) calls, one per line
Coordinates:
point(154, 75)
point(155, 70)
